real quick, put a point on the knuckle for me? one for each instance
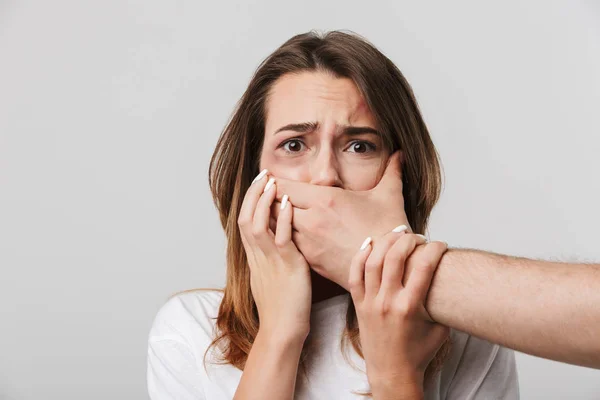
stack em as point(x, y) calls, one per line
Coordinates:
point(395, 256)
point(280, 243)
point(354, 284)
point(405, 241)
point(329, 201)
point(371, 266)
point(403, 308)
point(423, 260)
point(242, 221)
point(382, 307)
point(411, 240)
point(438, 247)
point(257, 231)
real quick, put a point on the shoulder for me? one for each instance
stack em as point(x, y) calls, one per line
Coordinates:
point(187, 316)
point(181, 331)
point(478, 368)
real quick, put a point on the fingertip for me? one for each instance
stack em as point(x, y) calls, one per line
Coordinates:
point(400, 228)
point(269, 184)
point(356, 277)
point(284, 201)
point(421, 238)
point(366, 243)
point(260, 175)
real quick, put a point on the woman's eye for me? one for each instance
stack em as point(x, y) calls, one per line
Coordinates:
point(293, 146)
point(361, 147)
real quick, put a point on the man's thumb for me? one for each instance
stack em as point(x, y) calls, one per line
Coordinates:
point(392, 176)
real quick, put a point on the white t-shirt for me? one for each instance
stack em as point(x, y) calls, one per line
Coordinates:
point(184, 328)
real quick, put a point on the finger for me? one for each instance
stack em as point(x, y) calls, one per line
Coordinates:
point(393, 265)
point(304, 194)
point(422, 275)
point(393, 170)
point(251, 198)
point(392, 176)
point(356, 282)
point(374, 264)
point(260, 223)
point(283, 234)
point(404, 246)
point(301, 217)
point(273, 222)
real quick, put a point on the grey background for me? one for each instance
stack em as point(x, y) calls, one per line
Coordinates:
point(110, 110)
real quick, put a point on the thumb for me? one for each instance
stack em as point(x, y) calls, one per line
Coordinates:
point(392, 176)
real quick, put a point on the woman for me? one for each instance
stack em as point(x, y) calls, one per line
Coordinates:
point(328, 110)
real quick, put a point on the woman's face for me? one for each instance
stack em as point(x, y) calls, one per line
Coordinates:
point(319, 130)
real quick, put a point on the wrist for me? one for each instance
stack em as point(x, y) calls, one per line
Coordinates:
point(397, 388)
point(283, 338)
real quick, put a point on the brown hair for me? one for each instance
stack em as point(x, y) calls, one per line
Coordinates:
point(235, 161)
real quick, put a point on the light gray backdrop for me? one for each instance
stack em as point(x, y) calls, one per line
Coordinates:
point(110, 110)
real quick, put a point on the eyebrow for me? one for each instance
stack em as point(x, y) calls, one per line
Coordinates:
point(305, 127)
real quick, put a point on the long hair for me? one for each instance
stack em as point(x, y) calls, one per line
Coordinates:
point(235, 163)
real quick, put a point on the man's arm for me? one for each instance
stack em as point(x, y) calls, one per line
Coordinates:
point(546, 309)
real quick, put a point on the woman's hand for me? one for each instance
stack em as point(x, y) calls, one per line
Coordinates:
point(397, 338)
point(280, 276)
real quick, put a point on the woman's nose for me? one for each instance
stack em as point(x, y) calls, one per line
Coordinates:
point(325, 170)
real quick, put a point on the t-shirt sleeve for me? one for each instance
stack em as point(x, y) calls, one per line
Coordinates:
point(172, 368)
point(485, 371)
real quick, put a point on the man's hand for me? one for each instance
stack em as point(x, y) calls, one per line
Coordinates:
point(330, 223)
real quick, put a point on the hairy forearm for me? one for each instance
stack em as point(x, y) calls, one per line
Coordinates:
point(547, 309)
point(271, 369)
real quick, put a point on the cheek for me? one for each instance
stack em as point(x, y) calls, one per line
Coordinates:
point(286, 169)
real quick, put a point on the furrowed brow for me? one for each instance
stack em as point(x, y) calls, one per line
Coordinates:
point(358, 130)
point(306, 127)
point(303, 127)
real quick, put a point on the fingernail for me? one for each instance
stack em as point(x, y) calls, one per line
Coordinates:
point(269, 184)
point(284, 201)
point(400, 228)
point(421, 236)
point(259, 176)
point(366, 243)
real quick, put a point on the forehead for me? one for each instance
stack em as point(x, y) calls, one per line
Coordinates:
point(315, 96)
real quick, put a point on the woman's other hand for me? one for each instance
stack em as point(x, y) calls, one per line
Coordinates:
point(397, 336)
point(280, 276)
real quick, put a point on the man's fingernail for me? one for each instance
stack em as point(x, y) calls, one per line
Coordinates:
point(400, 228)
point(269, 184)
point(259, 176)
point(365, 243)
point(421, 236)
point(284, 201)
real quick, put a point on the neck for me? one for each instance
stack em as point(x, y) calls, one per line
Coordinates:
point(323, 288)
